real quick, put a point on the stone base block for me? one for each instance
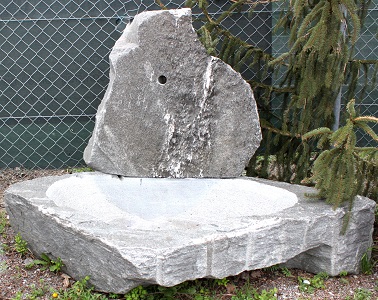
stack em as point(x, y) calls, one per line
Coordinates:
point(124, 232)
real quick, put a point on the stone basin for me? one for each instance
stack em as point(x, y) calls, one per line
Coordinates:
point(124, 232)
point(162, 199)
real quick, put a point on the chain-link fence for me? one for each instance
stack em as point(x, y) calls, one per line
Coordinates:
point(54, 69)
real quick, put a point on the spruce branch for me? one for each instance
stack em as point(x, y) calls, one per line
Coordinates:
point(350, 108)
point(255, 3)
point(367, 129)
point(366, 119)
point(266, 125)
point(364, 61)
point(339, 173)
point(255, 84)
point(316, 132)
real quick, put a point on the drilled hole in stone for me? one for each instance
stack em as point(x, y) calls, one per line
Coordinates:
point(162, 79)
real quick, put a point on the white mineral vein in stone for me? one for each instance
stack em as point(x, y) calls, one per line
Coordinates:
point(170, 122)
point(179, 13)
point(207, 82)
point(149, 70)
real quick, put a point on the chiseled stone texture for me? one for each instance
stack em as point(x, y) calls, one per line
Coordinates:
point(117, 231)
point(170, 109)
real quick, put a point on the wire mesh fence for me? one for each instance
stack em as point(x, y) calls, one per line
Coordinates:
point(54, 69)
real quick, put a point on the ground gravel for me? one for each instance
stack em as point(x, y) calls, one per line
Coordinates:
point(15, 278)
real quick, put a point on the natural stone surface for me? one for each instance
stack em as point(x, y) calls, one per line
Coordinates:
point(141, 199)
point(124, 232)
point(170, 109)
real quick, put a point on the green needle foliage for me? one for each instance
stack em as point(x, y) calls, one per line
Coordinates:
point(344, 170)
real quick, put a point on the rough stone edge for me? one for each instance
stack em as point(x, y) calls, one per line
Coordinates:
point(358, 226)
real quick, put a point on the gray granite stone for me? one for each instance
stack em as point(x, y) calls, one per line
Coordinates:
point(124, 232)
point(170, 109)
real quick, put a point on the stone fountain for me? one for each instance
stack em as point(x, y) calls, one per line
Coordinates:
point(168, 204)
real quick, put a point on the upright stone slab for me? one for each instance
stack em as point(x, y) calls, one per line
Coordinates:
point(170, 109)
